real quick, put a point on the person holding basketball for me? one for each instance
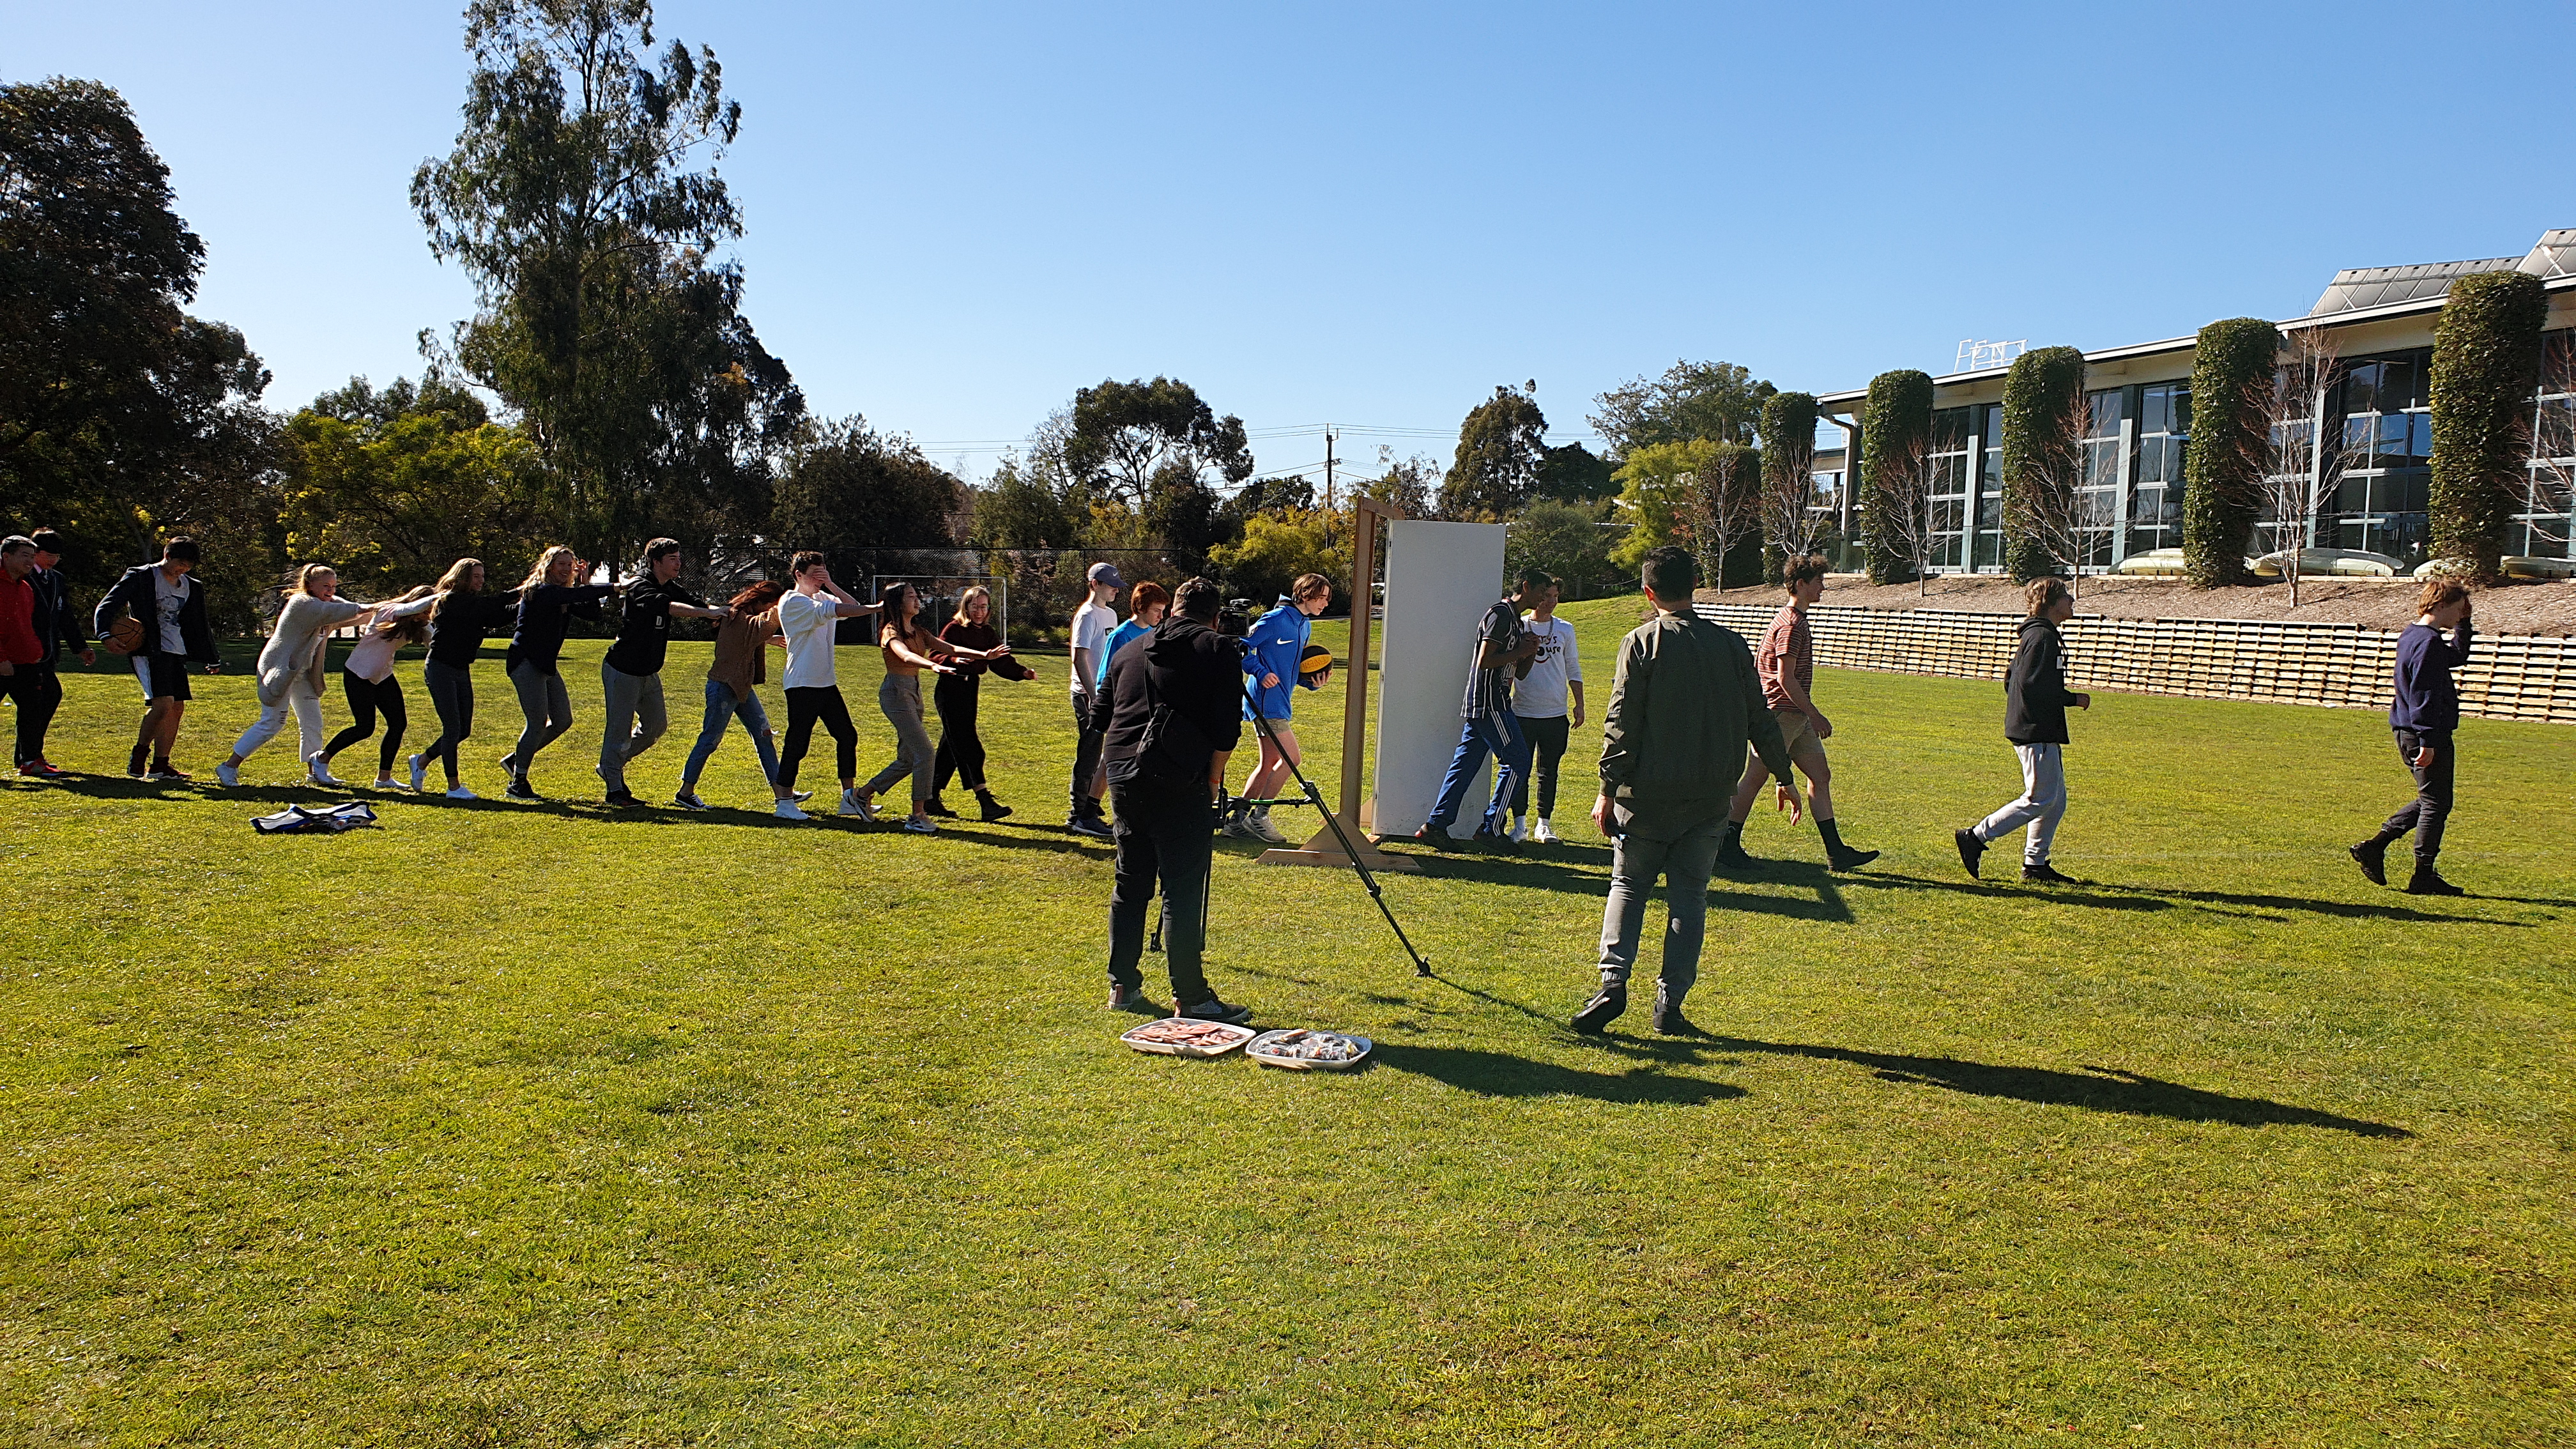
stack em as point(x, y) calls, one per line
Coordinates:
point(163, 630)
point(1274, 656)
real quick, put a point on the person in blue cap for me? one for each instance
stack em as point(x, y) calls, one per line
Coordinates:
point(1272, 650)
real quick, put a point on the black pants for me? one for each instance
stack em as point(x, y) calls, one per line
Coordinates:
point(1167, 833)
point(1547, 750)
point(1086, 755)
point(38, 692)
point(451, 693)
point(805, 706)
point(2431, 808)
point(961, 750)
point(366, 701)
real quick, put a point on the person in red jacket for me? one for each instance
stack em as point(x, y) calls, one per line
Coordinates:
point(20, 650)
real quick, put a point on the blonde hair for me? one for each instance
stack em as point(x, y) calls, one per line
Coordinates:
point(2043, 594)
point(305, 576)
point(416, 628)
point(452, 583)
point(545, 566)
point(973, 592)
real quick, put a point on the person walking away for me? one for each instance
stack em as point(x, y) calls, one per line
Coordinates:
point(1274, 645)
point(1090, 641)
point(291, 671)
point(1787, 660)
point(57, 625)
point(548, 600)
point(1685, 703)
point(170, 608)
point(1539, 703)
point(733, 679)
point(910, 648)
point(1503, 648)
point(809, 614)
point(630, 677)
point(22, 649)
point(2035, 701)
point(2423, 717)
point(1169, 716)
point(458, 623)
point(958, 695)
point(367, 678)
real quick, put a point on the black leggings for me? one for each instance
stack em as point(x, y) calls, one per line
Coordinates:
point(961, 750)
point(805, 706)
point(1547, 747)
point(366, 701)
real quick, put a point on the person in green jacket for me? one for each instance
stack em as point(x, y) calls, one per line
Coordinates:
point(1686, 701)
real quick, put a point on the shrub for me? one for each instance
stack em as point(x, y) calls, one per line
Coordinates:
point(2486, 355)
point(1895, 432)
point(2038, 450)
point(2222, 477)
point(1788, 466)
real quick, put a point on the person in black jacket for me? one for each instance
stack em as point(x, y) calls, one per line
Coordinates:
point(57, 625)
point(1169, 714)
point(458, 623)
point(958, 695)
point(2425, 711)
point(548, 601)
point(2035, 701)
point(171, 609)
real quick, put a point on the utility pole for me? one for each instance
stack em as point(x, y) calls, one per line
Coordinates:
point(1328, 467)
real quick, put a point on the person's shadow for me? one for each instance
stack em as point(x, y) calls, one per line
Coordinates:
point(1496, 1074)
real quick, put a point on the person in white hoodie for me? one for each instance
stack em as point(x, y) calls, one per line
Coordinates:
point(367, 677)
point(290, 668)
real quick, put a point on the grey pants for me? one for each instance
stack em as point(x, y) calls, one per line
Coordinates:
point(900, 697)
point(634, 702)
point(546, 706)
point(1683, 853)
point(2041, 806)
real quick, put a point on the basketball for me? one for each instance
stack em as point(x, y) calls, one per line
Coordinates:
point(1315, 660)
point(125, 636)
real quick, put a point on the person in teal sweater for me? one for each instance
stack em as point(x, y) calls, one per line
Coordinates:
point(1270, 657)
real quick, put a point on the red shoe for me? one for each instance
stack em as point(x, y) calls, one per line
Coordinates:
point(47, 767)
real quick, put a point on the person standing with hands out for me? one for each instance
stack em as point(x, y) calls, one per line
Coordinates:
point(910, 648)
point(630, 678)
point(957, 696)
point(1787, 660)
point(1685, 703)
point(1504, 651)
point(2035, 701)
point(1538, 702)
point(57, 625)
point(2424, 715)
point(1274, 646)
point(170, 609)
point(1090, 640)
point(809, 614)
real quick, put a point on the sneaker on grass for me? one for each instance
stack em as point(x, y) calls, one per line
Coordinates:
point(419, 773)
point(229, 776)
point(1213, 1009)
point(459, 792)
point(1090, 827)
point(1132, 998)
point(920, 825)
point(787, 811)
point(1543, 832)
point(688, 800)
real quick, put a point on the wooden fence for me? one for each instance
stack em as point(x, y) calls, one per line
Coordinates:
point(2339, 666)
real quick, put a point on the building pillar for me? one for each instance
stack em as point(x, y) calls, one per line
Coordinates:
point(2128, 478)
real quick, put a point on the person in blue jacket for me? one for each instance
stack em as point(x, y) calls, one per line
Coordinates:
point(1270, 657)
point(2424, 714)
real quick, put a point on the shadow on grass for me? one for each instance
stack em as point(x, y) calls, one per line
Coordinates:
point(2109, 896)
point(2096, 1089)
point(1724, 894)
point(1495, 1074)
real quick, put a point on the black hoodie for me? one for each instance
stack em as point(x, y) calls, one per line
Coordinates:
point(1184, 664)
point(2035, 693)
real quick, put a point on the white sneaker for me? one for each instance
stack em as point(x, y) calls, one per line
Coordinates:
point(386, 782)
point(1520, 829)
point(1260, 828)
point(1543, 833)
point(230, 775)
point(419, 774)
point(920, 825)
point(851, 804)
point(787, 811)
point(459, 792)
point(321, 773)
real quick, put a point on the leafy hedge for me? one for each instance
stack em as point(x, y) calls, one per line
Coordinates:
point(2038, 391)
point(2223, 476)
point(1895, 428)
point(2486, 354)
point(1788, 441)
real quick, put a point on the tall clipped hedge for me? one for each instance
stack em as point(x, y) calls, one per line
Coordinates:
point(1788, 441)
point(2223, 480)
point(2486, 354)
point(2038, 453)
point(1895, 429)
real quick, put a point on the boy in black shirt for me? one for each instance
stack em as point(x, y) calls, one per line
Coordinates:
point(1504, 651)
point(630, 678)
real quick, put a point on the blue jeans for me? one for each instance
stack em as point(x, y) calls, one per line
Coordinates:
point(722, 709)
point(1500, 736)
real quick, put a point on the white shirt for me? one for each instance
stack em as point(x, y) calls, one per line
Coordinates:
point(373, 656)
point(167, 596)
point(807, 620)
point(1091, 624)
point(1541, 694)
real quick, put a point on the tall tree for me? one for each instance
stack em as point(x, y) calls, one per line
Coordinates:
point(848, 488)
point(1717, 402)
point(392, 485)
point(574, 200)
point(1157, 452)
point(1573, 473)
point(1502, 445)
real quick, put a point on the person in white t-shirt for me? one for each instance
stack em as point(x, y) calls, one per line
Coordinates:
point(1090, 639)
point(1539, 702)
point(807, 616)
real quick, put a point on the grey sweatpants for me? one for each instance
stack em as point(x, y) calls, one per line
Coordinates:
point(2041, 806)
point(900, 697)
point(633, 702)
point(1682, 853)
point(546, 706)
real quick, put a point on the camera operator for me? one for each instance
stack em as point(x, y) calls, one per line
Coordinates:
point(1170, 711)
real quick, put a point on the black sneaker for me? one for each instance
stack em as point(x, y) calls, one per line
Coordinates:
point(2372, 857)
point(1730, 853)
point(1603, 1009)
point(2046, 874)
point(1848, 859)
point(623, 800)
point(1215, 1010)
point(992, 809)
point(2428, 882)
point(521, 790)
point(1971, 850)
point(134, 762)
point(1132, 998)
point(938, 809)
point(1668, 1020)
point(1090, 827)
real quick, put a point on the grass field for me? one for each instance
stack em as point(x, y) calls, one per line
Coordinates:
point(507, 1125)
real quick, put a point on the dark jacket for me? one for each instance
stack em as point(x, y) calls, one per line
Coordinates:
point(545, 613)
point(981, 637)
point(1191, 668)
point(2428, 699)
point(458, 625)
point(133, 595)
point(1686, 701)
point(2035, 692)
point(57, 622)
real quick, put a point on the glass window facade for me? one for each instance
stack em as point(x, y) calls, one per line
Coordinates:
point(2098, 500)
point(2380, 502)
point(1950, 494)
point(2155, 488)
point(2542, 517)
point(1989, 421)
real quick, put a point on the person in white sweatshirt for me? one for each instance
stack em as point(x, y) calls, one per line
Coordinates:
point(367, 677)
point(290, 667)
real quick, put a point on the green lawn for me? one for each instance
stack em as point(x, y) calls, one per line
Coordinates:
point(515, 1125)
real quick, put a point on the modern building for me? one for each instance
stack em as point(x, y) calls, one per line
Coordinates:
point(2382, 322)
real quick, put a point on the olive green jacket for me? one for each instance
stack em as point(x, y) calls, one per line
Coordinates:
point(1686, 702)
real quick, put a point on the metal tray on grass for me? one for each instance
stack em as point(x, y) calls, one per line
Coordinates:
point(1308, 1064)
point(1217, 1046)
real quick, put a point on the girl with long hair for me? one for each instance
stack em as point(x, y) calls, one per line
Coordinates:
point(290, 669)
point(733, 690)
point(458, 622)
point(367, 677)
point(959, 693)
point(548, 600)
point(911, 648)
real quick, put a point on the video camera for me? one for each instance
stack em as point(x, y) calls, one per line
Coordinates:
point(1234, 619)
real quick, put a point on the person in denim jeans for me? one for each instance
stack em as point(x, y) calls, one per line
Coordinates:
point(733, 690)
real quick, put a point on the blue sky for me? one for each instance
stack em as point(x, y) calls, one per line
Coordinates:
point(1372, 214)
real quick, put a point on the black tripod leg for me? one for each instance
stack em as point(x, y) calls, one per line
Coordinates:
point(1333, 822)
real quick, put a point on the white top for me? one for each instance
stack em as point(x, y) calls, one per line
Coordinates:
point(807, 620)
point(167, 596)
point(1541, 694)
point(1091, 625)
point(373, 656)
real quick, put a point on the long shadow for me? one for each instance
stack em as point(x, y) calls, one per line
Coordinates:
point(1494, 1074)
point(2097, 1089)
point(2106, 896)
point(1724, 894)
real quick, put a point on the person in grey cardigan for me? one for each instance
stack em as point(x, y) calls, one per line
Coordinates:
point(291, 673)
point(1685, 703)
point(2035, 701)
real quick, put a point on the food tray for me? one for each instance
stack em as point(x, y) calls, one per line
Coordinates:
point(1307, 1064)
point(1232, 1036)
